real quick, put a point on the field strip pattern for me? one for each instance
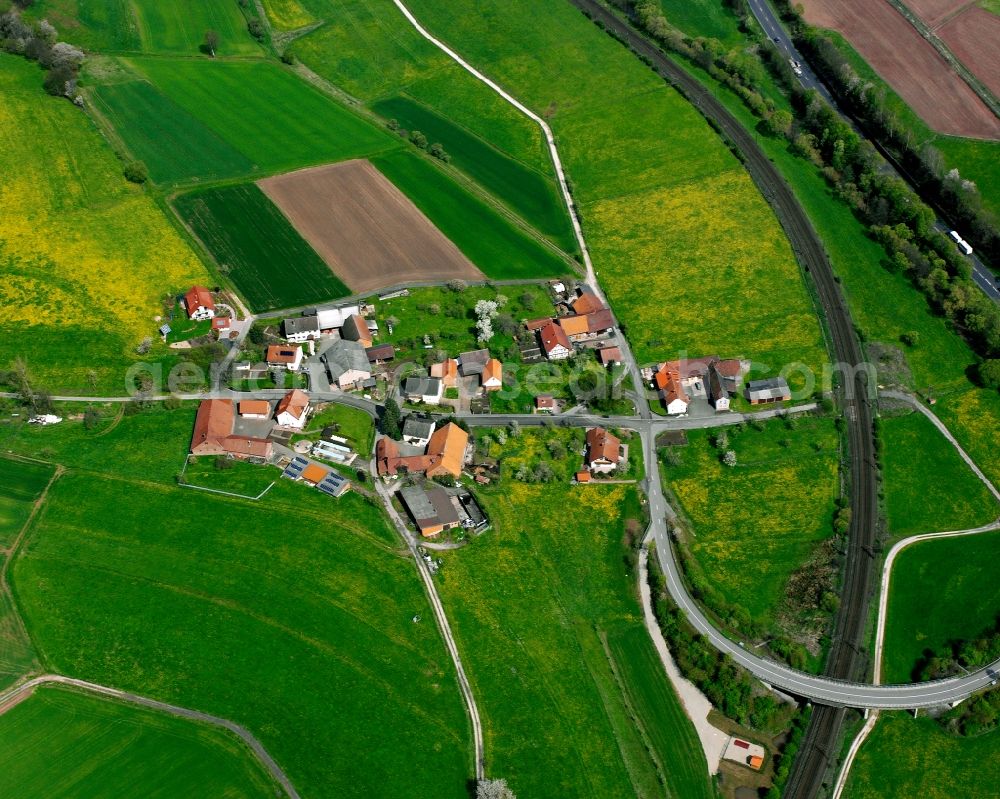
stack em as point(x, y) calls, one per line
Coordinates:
point(9, 698)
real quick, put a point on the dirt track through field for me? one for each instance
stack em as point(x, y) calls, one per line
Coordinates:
point(909, 63)
point(364, 228)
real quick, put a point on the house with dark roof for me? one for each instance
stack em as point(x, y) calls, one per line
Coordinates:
point(198, 303)
point(417, 431)
point(302, 328)
point(770, 390)
point(346, 364)
point(381, 353)
point(423, 389)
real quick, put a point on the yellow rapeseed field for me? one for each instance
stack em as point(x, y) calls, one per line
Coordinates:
point(287, 15)
point(82, 252)
point(972, 418)
point(705, 268)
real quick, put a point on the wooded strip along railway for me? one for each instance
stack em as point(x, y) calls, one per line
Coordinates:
point(846, 659)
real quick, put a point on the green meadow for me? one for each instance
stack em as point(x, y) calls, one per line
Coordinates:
point(92, 24)
point(60, 742)
point(755, 523)
point(906, 757)
point(940, 590)
point(257, 248)
point(928, 487)
point(574, 699)
point(292, 615)
point(72, 227)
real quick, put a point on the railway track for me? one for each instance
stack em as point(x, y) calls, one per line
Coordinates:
point(847, 659)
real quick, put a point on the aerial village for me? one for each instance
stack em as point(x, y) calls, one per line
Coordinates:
point(428, 463)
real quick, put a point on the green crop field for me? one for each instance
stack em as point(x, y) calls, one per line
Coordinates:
point(174, 145)
point(940, 590)
point(72, 228)
point(253, 242)
point(275, 119)
point(573, 698)
point(179, 26)
point(63, 743)
point(21, 483)
point(755, 523)
point(928, 487)
point(292, 615)
point(906, 757)
point(492, 242)
point(529, 193)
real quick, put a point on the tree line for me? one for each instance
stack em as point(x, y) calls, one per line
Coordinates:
point(38, 42)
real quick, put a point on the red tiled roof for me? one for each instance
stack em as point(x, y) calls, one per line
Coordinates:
point(602, 445)
point(610, 355)
point(213, 423)
point(537, 324)
point(221, 323)
point(545, 401)
point(294, 402)
point(553, 335)
point(198, 297)
point(587, 303)
point(281, 353)
point(255, 408)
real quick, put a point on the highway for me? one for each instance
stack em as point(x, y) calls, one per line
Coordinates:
point(772, 27)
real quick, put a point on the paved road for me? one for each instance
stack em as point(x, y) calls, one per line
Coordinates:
point(174, 710)
point(765, 15)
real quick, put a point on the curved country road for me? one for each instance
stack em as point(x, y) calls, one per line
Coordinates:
point(248, 738)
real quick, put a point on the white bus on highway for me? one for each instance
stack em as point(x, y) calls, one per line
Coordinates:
point(961, 243)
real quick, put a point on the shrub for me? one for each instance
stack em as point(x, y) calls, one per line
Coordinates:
point(136, 172)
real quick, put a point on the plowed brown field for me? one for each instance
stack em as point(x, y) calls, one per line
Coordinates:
point(974, 37)
point(365, 229)
point(908, 63)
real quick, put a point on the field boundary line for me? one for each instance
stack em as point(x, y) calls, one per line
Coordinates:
point(174, 710)
point(546, 130)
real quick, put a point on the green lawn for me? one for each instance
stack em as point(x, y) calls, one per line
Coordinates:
point(754, 524)
point(500, 248)
point(72, 228)
point(21, 483)
point(173, 144)
point(275, 119)
point(940, 590)
point(454, 321)
point(292, 616)
point(179, 26)
point(257, 247)
point(906, 757)
point(709, 18)
point(236, 477)
point(573, 698)
point(529, 193)
point(353, 424)
point(63, 743)
point(928, 487)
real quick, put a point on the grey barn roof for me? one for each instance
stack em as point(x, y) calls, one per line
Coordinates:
point(429, 502)
point(416, 427)
point(422, 385)
point(344, 356)
point(300, 324)
point(770, 388)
